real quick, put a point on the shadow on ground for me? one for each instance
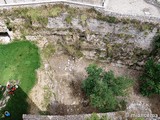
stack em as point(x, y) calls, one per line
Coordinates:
point(17, 105)
point(155, 105)
point(61, 109)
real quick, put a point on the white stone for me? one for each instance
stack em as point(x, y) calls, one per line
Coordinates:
point(4, 40)
point(46, 66)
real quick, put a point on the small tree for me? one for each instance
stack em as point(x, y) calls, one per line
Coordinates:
point(150, 80)
point(103, 88)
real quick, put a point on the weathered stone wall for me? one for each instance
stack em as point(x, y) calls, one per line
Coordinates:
point(121, 43)
point(113, 116)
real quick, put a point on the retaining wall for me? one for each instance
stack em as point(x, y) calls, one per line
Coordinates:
point(85, 5)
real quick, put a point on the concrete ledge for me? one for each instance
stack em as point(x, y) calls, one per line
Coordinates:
point(52, 1)
point(112, 115)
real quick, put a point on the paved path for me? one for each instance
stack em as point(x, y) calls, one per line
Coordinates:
point(134, 7)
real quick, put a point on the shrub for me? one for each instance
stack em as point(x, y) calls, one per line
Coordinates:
point(149, 81)
point(103, 88)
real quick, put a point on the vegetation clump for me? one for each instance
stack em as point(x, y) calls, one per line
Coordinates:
point(48, 50)
point(83, 19)
point(68, 19)
point(71, 50)
point(103, 88)
point(149, 81)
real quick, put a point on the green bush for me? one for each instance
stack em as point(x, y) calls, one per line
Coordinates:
point(150, 80)
point(102, 88)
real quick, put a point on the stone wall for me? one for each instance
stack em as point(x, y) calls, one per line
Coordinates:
point(127, 42)
point(113, 116)
point(120, 43)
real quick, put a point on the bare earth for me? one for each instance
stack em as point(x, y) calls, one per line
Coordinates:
point(58, 88)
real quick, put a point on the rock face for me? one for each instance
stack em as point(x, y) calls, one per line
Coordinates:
point(96, 39)
point(108, 42)
point(89, 34)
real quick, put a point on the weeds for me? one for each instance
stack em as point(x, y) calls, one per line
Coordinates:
point(55, 11)
point(83, 19)
point(68, 19)
point(49, 50)
point(71, 50)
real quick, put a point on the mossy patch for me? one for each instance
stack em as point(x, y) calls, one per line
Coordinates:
point(68, 19)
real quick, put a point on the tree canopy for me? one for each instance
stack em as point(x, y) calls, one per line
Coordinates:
point(103, 88)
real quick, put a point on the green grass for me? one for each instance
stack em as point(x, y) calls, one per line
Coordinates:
point(19, 60)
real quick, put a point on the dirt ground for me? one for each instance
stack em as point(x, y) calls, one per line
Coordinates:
point(58, 88)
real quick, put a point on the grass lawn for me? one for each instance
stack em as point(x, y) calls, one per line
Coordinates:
point(19, 60)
